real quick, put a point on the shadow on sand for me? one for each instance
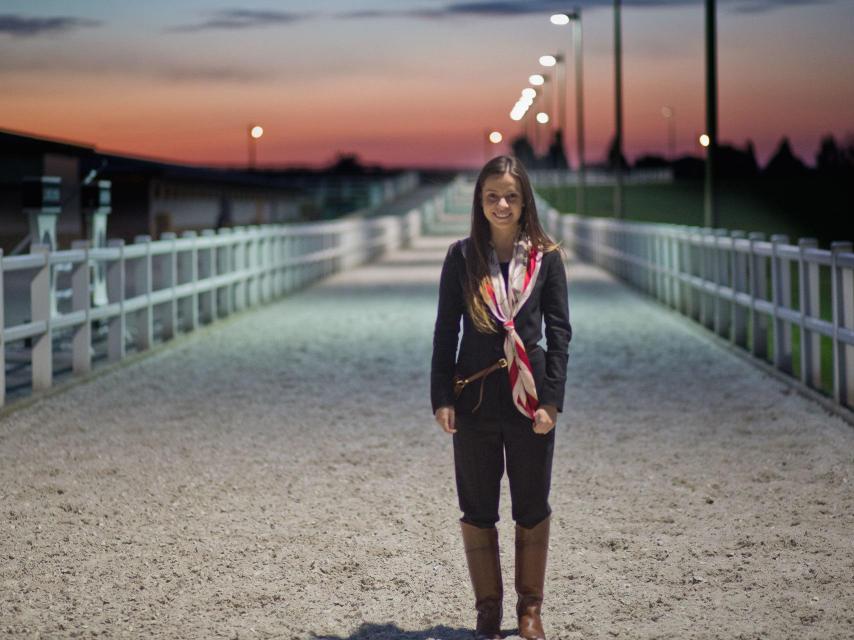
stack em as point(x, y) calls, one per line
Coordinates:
point(391, 631)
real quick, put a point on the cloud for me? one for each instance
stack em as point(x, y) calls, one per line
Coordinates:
point(213, 74)
point(240, 19)
point(24, 27)
point(761, 6)
point(508, 8)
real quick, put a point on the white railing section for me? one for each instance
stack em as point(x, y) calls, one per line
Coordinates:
point(748, 290)
point(176, 284)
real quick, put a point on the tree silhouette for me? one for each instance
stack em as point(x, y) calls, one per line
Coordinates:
point(523, 150)
point(556, 156)
point(611, 159)
point(784, 163)
point(833, 160)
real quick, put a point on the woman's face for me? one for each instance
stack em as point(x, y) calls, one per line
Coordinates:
point(501, 199)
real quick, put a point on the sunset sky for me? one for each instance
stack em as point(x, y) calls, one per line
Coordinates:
point(411, 83)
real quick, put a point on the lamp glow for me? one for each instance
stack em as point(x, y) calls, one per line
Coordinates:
point(256, 131)
point(536, 79)
point(548, 61)
point(529, 93)
point(559, 19)
point(705, 140)
point(542, 117)
point(495, 137)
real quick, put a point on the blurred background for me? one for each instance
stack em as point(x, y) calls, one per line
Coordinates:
point(165, 95)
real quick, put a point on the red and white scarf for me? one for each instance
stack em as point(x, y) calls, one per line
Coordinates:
point(522, 274)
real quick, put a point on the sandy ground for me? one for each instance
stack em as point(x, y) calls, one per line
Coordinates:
point(280, 476)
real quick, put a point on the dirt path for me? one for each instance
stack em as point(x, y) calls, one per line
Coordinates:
point(280, 476)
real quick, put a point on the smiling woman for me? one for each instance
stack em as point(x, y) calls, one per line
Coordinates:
point(504, 281)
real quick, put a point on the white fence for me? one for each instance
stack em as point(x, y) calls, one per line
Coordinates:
point(157, 289)
point(748, 290)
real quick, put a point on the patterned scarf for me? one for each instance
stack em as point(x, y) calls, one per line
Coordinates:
point(504, 305)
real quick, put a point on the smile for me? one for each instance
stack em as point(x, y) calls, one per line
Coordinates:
point(506, 214)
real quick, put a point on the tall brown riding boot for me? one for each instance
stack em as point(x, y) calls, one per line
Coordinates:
point(532, 547)
point(485, 570)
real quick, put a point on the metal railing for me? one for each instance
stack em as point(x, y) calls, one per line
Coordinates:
point(157, 289)
point(748, 290)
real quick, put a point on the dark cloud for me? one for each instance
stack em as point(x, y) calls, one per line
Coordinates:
point(24, 27)
point(761, 6)
point(241, 19)
point(506, 8)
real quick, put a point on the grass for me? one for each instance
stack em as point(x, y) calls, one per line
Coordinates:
point(805, 208)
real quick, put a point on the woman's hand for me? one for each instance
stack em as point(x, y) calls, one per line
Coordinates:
point(544, 419)
point(446, 418)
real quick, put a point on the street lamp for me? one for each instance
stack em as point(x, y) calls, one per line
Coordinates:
point(551, 61)
point(255, 133)
point(711, 197)
point(561, 19)
point(618, 109)
point(490, 138)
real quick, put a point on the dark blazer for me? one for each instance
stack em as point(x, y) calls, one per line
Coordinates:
point(547, 302)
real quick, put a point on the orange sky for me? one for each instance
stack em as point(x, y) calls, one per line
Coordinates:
point(412, 90)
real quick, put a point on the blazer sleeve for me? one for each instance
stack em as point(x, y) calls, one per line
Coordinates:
point(555, 308)
point(446, 331)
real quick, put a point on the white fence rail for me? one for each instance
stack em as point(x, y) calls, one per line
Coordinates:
point(748, 290)
point(157, 289)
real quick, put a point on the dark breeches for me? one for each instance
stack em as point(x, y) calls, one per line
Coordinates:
point(481, 445)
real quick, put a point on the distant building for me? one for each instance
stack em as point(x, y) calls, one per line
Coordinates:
point(151, 197)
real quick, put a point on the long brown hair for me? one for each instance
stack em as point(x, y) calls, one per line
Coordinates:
point(477, 263)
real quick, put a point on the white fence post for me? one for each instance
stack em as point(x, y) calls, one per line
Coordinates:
point(738, 269)
point(81, 300)
point(207, 270)
point(188, 272)
point(116, 294)
point(843, 318)
point(781, 296)
point(238, 263)
point(41, 308)
point(168, 272)
point(141, 277)
point(722, 279)
point(224, 264)
point(808, 292)
point(758, 291)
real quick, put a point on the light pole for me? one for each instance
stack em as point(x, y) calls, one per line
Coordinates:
point(618, 110)
point(551, 61)
point(711, 200)
point(255, 133)
point(575, 18)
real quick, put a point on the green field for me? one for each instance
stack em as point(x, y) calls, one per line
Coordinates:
point(810, 207)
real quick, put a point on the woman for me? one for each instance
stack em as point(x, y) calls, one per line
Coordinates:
point(504, 280)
